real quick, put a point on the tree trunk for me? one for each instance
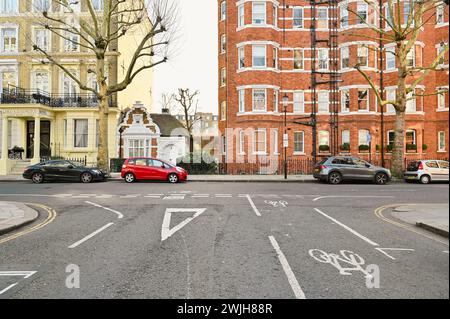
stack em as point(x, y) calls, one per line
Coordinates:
point(103, 150)
point(191, 143)
point(399, 141)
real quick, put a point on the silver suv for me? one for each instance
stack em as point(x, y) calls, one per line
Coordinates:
point(337, 169)
point(426, 171)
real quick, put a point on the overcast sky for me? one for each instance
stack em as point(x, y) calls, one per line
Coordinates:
point(195, 64)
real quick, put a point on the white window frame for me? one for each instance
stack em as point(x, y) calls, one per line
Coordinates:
point(391, 59)
point(241, 142)
point(259, 20)
point(322, 9)
point(367, 100)
point(411, 105)
point(441, 100)
point(344, 94)
point(345, 55)
point(241, 15)
point(390, 96)
point(301, 142)
point(414, 136)
point(12, 9)
point(35, 83)
point(275, 101)
point(98, 5)
point(2, 39)
point(223, 10)
point(36, 3)
point(302, 25)
point(241, 98)
point(275, 15)
point(255, 48)
point(223, 44)
point(363, 137)
point(299, 102)
point(275, 141)
point(343, 12)
point(223, 111)
point(275, 58)
point(255, 142)
point(323, 133)
point(223, 77)
point(322, 101)
point(75, 133)
point(254, 91)
point(412, 53)
point(345, 137)
point(363, 52)
point(47, 35)
point(359, 9)
point(440, 15)
point(241, 58)
point(302, 60)
point(442, 138)
point(323, 60)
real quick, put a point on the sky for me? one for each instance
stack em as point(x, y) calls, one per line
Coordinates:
point(194, 64)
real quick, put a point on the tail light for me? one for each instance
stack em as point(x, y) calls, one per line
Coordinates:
point(322, 167)
point(420, 166)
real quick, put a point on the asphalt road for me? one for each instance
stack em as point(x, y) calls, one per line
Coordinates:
point(213, 240)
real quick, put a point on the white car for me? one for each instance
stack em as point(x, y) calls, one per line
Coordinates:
point(427, 171)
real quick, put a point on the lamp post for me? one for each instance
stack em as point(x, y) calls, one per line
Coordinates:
point(285, 135)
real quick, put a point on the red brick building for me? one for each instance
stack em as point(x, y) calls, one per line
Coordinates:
point(266, 61)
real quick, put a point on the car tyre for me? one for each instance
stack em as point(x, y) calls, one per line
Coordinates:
point(335, 178)
point(173, 178)
point(37, 178)
point(425, 179)
point(381, 179)
point(86, 178)
point(130, 178)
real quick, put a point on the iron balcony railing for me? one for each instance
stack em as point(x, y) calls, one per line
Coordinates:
point(21, 96)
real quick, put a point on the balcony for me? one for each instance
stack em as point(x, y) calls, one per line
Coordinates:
point(21, 96)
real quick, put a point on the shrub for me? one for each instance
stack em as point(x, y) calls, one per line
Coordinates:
point(390, 147)
point(324, 148)
point(18, 149)
point(196, 164)
point(363, 148)
point(378, 147)
point(345, 147)
point(411, 147)
point(424, 147)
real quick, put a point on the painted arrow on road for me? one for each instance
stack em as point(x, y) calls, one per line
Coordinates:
point(166, 231)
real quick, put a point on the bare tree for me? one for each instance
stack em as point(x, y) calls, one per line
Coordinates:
point(168, 102)
point(189, 105)
point(394, 29)
point(98, 31)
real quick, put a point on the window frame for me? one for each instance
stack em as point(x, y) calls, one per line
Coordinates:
point(83, 134)
point(297, 142)
point(254, 13)
point(301, 102)
point(441, 134)
point(256, 141)
point(255, 49)
point(253, 100)
point(302, 19)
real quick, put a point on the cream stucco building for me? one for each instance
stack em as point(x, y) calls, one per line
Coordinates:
point(42, 110)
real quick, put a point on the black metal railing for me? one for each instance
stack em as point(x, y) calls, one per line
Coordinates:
point(22, 96)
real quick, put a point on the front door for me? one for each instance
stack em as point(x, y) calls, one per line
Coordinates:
point(45, 139)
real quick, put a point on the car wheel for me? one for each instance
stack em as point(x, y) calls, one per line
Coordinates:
point(425, 179)
point(37, 178)
point(130, 178)
point(335, 178)
point(381, 179)
point(86, 178)
point(173, 178)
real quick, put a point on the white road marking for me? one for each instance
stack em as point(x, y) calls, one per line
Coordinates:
point(445, 251)
point(354, 232)
point(166, 231)
point(104, 196)
point(322, 197)
point(150, 196)
point(382, 250)
point(8, 288)
point(255, 209)
point(24, 274)
point(78, 243)
point(130, 196)
point(119, 214)
point(175, 197)
point(224, 195)
point(298, 292)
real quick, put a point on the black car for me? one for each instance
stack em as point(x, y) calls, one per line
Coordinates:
point(62, 171)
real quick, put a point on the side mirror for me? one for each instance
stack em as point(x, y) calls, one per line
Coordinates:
point(368, 165)
point(70, 167)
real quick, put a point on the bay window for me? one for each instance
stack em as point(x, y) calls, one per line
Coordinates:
point(345, 101)
point(241, 58)
point(223, 10)
point(345, 57)
point(441, 100)
point(241, 94)
point(440, 14)
point(362, 10)
point(363, 100)
point(241, 15)
point(259, 56)
point(363, 55)
point(410, 58)
point(275, 101)
point(390, 96)
point(344, 15)
point(411, 103)
point(390, 58)
point(241, 142)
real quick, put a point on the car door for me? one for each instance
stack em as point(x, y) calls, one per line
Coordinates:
point(142, 170)
point(444, 170)
point(432, 168)
point(49, 170)
point(363, 170)
point(159, 170)
point(344, 166)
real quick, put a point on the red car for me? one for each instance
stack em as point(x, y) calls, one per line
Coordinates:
point(151, 169)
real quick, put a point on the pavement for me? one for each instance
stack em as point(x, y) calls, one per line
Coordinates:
point(222, 240)
point(14, 215)
point(432, 217)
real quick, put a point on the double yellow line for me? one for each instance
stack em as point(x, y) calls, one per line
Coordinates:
point(379, 213)
point(50, 217)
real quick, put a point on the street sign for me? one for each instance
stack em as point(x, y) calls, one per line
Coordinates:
point(285, 140)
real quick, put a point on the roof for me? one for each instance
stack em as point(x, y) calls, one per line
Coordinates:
point(167, 123)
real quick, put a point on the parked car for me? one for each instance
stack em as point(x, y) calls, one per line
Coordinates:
point(337, 169)
point(61, 170)
point(426, 171)
point(143, 168)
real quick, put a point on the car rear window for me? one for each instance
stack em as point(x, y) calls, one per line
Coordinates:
point(131, 162)
point(443, 164)
point(322, 161)
point(413, 166)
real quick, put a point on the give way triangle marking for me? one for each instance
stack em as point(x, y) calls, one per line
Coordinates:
point(166, 231)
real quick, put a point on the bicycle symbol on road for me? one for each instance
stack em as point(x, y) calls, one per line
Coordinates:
point(276, 203)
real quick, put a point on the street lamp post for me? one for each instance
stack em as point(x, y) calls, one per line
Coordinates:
point(285, 135)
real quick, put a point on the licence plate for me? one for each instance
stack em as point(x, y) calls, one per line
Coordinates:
point(410, 177)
